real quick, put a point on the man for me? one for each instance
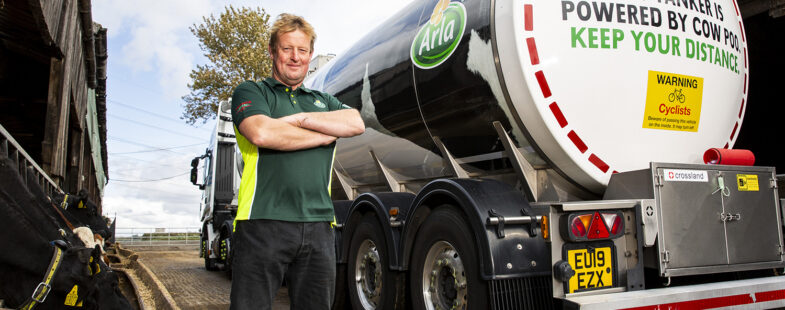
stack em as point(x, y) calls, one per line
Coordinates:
point(286, 134)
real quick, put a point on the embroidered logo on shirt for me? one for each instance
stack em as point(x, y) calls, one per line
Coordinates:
point(319, 104)
point(243, 106)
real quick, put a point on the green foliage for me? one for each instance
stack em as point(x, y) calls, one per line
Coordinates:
point(236, 45)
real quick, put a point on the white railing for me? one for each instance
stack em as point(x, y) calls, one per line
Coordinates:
point(170, 236)
point(9, 147)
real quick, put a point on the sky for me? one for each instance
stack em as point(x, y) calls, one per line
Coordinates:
point(151, 52)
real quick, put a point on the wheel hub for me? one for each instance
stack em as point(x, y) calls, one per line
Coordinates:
point(224, 252)
point(444, 279)
point(368, 274)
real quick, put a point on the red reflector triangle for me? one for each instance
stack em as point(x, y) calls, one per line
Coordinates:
point(598, 229)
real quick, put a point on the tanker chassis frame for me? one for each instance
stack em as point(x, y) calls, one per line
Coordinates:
point(703, 243)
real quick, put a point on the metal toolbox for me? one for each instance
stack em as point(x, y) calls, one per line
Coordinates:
point(706, 218)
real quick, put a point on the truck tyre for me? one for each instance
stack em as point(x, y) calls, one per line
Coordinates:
point(370, 281)
point(225, 248)
point(445, 269)
point(209, 263)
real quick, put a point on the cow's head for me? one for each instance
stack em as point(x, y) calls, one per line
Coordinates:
point(83, 211)
point(83, 281)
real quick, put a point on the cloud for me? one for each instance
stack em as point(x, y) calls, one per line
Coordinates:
point(145, 213)
point(155, 37)
point(167, 203)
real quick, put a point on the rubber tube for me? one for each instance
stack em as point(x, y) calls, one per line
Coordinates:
point(716, 156)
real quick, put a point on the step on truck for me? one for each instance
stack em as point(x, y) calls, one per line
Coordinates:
point(530, 154)
point(219, 181)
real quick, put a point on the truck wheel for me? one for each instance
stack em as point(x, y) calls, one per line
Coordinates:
point(445, 267)
point(209, 263)
point(226, 252)
point(371, 284)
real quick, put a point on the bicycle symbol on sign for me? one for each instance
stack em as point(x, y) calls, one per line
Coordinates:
point(676, 94)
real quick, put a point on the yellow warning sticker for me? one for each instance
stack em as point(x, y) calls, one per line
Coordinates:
point(747, 182)
point(70, 299)
point(673, 102)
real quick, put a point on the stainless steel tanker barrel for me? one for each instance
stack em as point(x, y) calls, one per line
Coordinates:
point(585, 88)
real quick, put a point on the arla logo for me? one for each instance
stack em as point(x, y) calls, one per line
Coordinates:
point(439, 37)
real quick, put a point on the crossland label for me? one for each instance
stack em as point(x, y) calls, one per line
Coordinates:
point(438, 38)
point(686, 175)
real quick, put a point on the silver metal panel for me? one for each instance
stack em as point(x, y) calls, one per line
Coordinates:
point(756, 236)
point(691, 233)
point(714, 226)
point(635, 184)
point(598, 205)
point(597, 292)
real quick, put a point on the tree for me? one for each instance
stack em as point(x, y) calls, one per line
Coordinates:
point(235, 43)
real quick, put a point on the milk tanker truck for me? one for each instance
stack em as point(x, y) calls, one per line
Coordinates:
point(535, 154)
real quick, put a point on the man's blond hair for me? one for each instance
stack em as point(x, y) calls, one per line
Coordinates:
point(286, 23)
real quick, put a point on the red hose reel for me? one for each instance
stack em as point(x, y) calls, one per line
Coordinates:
point(717, 156)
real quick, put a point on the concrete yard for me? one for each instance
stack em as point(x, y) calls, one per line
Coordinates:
point(182, 273)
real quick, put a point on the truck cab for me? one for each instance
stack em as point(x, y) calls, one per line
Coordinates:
point(219, 180)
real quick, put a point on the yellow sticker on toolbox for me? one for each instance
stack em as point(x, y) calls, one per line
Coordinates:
point(593, 269)
point(747, 182)
point(673, 102)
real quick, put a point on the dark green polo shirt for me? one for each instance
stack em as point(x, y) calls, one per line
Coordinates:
point(288, 186)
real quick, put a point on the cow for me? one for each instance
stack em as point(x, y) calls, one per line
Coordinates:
point(79, 279)
point(42, 264)
point(74, 210)
point(80, 209)
point(80, 217)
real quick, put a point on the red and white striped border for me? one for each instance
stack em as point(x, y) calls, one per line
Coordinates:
point(744, 94)
point(546, 92)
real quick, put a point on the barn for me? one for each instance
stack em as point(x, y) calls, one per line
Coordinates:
point(53, 91)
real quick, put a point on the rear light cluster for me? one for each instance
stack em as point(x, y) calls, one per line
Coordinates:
point(594, 225)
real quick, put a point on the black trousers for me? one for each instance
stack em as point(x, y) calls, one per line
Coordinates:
point(267, 251)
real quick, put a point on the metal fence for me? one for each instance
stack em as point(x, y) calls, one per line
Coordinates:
point(135, 236)
point(9, 147)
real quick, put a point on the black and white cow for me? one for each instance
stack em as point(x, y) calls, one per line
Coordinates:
point(30, 239)
point(80, 209)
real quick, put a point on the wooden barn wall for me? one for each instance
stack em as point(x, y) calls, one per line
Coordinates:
point(53, 12)
point(64, 144)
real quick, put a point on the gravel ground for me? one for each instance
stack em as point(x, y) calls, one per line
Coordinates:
point(192, 286)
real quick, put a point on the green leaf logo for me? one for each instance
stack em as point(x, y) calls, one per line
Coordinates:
point(438, 38)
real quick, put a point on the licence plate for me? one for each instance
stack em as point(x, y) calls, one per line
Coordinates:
point(594, 268)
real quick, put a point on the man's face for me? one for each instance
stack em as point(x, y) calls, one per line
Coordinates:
point(291, 58)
